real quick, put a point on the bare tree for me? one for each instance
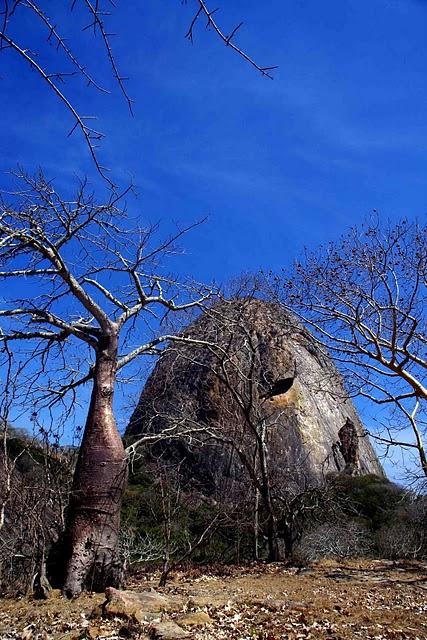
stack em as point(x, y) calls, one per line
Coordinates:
point(96, 292)
point(227, 392)
point(254, 424)
point(8, 460)
point(136, 548)
point(235, 423)
point(338, 540)
point(365, 299)
point(56, 60)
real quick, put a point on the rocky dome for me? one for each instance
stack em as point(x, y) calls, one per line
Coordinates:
point(255, 377)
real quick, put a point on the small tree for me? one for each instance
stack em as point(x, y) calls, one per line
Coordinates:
point(337, 540)
point(35, 477)
point(237, 425)
point(237, 394)
point(92, 278)
point(364, 297)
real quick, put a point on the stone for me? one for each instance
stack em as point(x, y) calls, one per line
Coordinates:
point(168, 630)
point(41, 587)
point(139, 606)
point(96, 612)
point(269, 603)
point(349, 447)
point(195, 619)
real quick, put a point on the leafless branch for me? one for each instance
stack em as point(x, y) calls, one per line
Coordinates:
point(203, 11)
point(365, 297)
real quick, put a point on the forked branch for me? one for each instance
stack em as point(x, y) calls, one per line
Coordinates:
point(208, 14)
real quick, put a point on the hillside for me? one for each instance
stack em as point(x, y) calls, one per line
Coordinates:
point(230, 389)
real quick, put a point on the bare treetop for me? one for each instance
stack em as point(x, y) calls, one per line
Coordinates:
point(365, 297)
point(204, 12)
point(90, 273)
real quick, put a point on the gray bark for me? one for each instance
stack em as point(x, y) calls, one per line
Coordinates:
point(93, 517)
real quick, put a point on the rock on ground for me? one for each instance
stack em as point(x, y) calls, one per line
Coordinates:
point(139, 606)
point(195, 619)
point(167, 630)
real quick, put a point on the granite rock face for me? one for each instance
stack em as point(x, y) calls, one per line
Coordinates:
point(259, 376)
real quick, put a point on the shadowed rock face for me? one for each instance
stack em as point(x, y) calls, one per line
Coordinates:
point(265, 375)
point(349, 447)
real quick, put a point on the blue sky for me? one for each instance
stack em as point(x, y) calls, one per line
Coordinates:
point(276, 165)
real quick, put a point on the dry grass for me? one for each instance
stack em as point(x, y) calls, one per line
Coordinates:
point(360, 599)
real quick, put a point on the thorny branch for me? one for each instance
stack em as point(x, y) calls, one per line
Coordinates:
point(204, 12)
point(97, 14)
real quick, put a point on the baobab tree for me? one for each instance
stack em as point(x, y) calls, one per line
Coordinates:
point(79, 279)
point(364, 297)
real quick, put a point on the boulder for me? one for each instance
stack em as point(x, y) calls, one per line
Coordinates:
point(264, 359)
point(168, 630)
point(195, 619)
point(139, 606)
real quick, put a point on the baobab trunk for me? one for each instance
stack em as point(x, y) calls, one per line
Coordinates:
point(93, 516)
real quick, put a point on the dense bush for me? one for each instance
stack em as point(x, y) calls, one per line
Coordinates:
point(366, 516)
point(371, 498)
point(335, 540)
point(406, 535)
point(350, 516)
point(34, 485)
point(167, 520)
point(401, 540)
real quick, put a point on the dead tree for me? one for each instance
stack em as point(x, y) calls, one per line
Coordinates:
point(264, 401)
point(251, 442)
point(97, 288)
point(253, 409)
point(364, 297)
point(234, 418)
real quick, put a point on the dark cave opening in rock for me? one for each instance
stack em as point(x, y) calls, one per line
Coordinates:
point(281, 386)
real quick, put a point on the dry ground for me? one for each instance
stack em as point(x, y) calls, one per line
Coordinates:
point(330, 601)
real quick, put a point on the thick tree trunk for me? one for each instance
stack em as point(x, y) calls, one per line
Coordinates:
point(93, 515)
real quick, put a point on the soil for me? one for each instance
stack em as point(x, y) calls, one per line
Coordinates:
point(331, 601)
